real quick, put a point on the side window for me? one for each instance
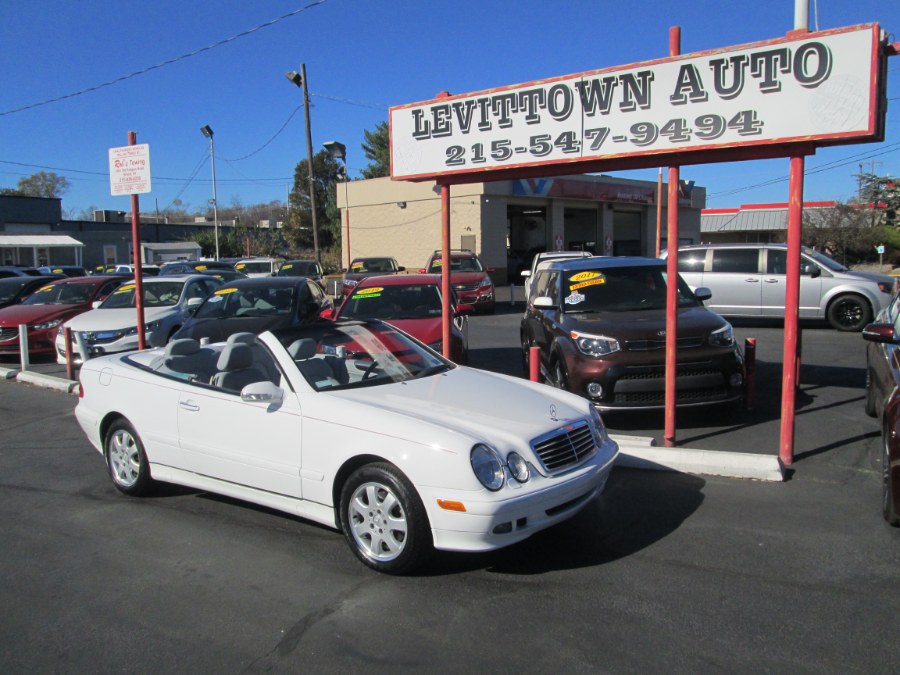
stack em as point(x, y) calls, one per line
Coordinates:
point(315, 291)
point(737, 260)
point(107, 288)
point(539, 287)
point(776, 262)
point(553, 287)
point(210, 286)
point(692, 261)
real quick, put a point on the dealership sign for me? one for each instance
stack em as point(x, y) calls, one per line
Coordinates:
point(129, 170)
point(815, 88)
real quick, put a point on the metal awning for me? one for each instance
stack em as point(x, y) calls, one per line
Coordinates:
point(17, 246)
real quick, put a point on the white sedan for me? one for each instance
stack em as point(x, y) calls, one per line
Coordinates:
point(354, 425)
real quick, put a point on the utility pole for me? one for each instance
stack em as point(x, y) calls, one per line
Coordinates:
point(299, 79)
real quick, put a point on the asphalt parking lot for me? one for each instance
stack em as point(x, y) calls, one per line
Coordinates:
point(666, 572)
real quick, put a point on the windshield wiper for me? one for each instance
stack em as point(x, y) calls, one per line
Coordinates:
point(433, 370)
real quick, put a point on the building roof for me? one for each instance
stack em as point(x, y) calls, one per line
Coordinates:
point(40, 240)
point(751, 217)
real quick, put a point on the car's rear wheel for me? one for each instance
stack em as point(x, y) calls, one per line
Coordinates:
point(887, 486)
point(870, 395)
point(126, 459)
point(849, 313)
point(384, 520)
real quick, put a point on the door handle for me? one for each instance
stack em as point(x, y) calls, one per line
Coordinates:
point(771, 281)
point(752, 281)
point(189, 405)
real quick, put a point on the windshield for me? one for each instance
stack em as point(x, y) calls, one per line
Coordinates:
point(249, 301)
point(162, 294)
point(299, 268)
point(457, 265)
point(338, 355)
point(393, 302)
point(61, 294)
point(620, 289)
point(254, 267)
point(824, 260)
point(10, 288)
point(373, 265)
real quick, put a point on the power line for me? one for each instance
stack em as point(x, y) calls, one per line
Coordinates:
point(277, 133)
point(167, 62)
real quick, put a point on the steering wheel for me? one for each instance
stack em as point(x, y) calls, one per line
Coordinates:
point(370, 369)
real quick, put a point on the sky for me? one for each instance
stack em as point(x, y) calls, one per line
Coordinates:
point(75, 78)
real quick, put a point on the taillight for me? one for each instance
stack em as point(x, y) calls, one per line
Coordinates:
point(80, 388)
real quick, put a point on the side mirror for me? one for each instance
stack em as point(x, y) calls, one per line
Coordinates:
point(465, 309)
point(262, 392)
point(543, 302)
point(812, 270)
point(526, 273)
point(327, 313)
point(421, 270)
point(489, 270)
point(702, 293)
point(401, 268)
point(879, 332)
point(193, 304)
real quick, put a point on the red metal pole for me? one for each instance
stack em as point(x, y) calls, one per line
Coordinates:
point(70, 366)
point(534, 364)
point(791, 312)
point(445, 266)
point(672, 276)
point(659, 184)
point(136, 254)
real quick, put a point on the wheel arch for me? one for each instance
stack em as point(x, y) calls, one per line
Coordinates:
point(345, 471)
point(106, 423)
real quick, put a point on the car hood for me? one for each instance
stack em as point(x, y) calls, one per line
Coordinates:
point(31, 314)
point(474, 402)
point(218, 330)
point(466, 277)
point(114, 319)
point(643, 324)
point(873, 276)
point(424, 330)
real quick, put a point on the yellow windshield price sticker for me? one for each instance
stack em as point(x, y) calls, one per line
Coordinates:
point(226, 291)
point(125, 289)
point(585, 276)
point(286, 267)
point(592, 282)
point(57, 271)
point(239, 266)
point(200, 268)
point(44, 289)
point(370, 291)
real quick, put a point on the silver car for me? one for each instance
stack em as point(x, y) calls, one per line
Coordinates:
point(749, 280)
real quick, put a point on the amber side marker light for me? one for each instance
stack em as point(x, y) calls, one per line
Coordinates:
point(447, 505)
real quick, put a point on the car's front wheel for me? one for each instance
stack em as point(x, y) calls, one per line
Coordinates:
point(887, 485)
point(560, 378)
point(126, 459)
point(384, 519)
point(849, 313)
point(870, 396)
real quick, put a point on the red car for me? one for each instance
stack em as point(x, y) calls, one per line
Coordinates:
point(360, 268)
point(412, 303)
point(470, 279)
point(883, 400)
point(47, 308)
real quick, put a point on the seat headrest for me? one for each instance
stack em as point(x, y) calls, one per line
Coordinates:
point(235, 357)
point(241, 338)
point(182, 347)
point(304, 348)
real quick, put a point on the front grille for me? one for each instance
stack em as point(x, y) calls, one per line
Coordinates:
point(564, 447)
point(101, 337)
point(650, 345)
point(8, 333)
point(466, 287)
point(646, 386)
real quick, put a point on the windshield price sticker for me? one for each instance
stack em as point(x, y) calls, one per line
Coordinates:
point(370, 292)
point(225, 291)
point(574, 298)
point(819, 88)
point(125, 289)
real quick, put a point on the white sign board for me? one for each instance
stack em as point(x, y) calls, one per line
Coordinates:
point(817, 88)
point(129, 170)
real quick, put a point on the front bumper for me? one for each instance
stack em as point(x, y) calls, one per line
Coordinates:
point(491, 524)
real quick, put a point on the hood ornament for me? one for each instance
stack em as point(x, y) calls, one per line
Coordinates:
point(553, 416)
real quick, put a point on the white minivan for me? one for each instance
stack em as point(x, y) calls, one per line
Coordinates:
point(259, 267)
point(749, 280)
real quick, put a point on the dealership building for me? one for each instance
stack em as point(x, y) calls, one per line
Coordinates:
point(507, 222)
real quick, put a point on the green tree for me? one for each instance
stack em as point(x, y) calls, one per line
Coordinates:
point(377, 149)
point(298, 225)
point(846, 232)
point(882, 195)
point(40, 184)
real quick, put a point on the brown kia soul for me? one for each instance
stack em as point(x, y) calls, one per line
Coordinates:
point(600, 324)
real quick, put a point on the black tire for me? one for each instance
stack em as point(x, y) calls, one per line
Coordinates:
point(126, 459)
point(887, 487)
point(870, 396)
point(560, 378)
point(374, 497)
point(849, 313)
point(526, 347)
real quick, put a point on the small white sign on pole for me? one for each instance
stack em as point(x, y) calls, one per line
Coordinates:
point(129, 170)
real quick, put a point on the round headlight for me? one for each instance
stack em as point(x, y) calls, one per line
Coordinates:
point(488, 466)
point(600, 433)
point(518, 467)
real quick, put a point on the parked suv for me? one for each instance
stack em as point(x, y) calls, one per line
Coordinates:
point(470, 279)
point(749, 280)
point(600, 324)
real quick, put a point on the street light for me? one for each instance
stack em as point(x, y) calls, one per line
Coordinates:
point(299, 80)
point(207, 131)
point(339, 151)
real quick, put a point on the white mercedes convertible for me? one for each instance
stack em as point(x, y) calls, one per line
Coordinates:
point(354, 425)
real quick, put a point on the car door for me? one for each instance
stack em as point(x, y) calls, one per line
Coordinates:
point(734, 278)
point(774, 286)
point(256, 444)
point(542, 321)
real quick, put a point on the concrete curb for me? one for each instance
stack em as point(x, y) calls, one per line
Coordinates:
point(639, 452)
point(47, 381)
point(8, 373)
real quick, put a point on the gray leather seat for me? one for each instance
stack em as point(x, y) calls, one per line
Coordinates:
point(318, 371)
point(237, 369)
